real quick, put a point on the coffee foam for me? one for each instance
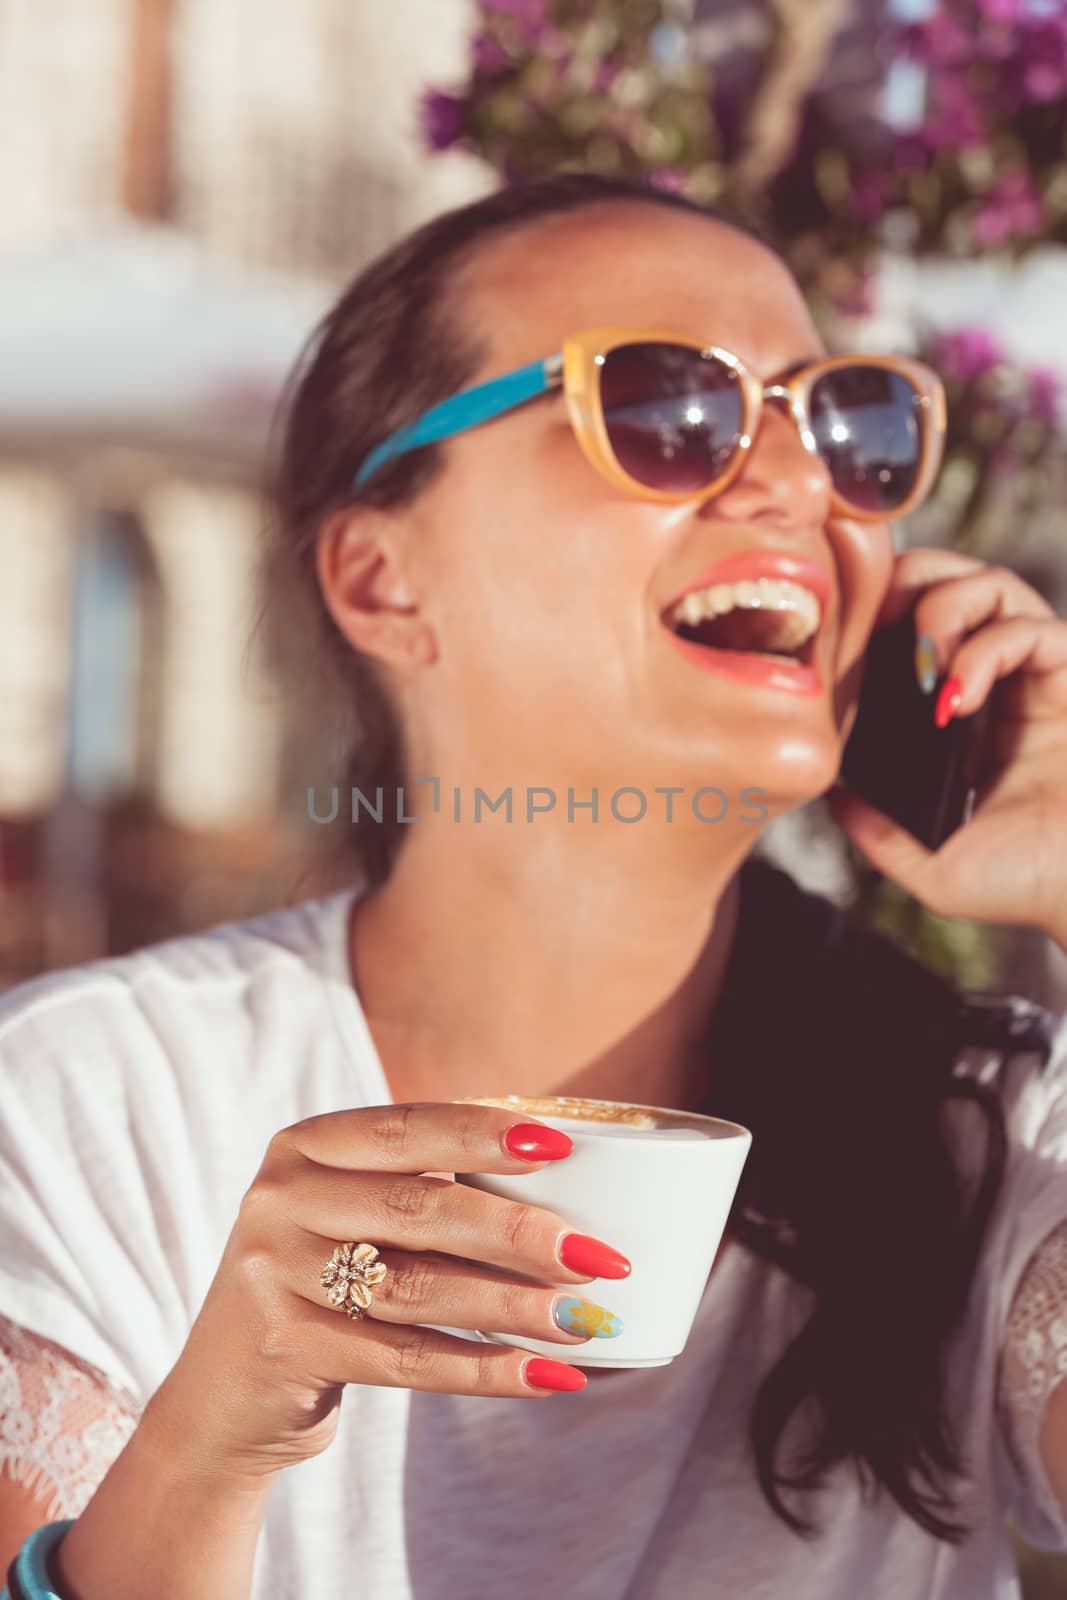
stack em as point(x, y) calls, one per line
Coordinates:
point(605, 1114)
point(625, 1130)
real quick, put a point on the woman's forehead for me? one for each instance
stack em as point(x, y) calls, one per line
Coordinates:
point(626, 265)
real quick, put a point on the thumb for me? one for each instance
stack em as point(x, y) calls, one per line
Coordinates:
point(887, 846)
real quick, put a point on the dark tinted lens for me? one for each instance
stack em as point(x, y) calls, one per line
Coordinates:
point(673, 416)
point(868, 426)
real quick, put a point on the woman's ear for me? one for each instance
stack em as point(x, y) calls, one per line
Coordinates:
point(367, 590)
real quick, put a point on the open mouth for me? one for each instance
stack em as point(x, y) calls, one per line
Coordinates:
point(771, 617)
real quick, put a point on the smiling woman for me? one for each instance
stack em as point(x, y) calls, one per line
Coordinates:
point(554, 470)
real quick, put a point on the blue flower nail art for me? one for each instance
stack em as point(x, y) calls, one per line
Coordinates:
point(586, 1317)
point(925, 663)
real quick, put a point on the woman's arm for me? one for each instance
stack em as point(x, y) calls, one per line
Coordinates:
point(62, 1435)
point(158, 1528)
point(1054, 1441)
point(1053, 1435)
point(1033, 1375)
point(22, 1509)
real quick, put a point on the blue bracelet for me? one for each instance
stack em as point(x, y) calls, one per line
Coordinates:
point(29, 1566)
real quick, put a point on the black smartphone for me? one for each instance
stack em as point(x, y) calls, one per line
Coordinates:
point(924, 777)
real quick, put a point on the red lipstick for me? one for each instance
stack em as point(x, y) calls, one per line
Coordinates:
point(763, 671)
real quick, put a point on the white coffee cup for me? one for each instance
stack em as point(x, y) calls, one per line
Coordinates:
point(655, 1184)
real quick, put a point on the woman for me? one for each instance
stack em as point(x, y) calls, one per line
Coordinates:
point(866, 1390)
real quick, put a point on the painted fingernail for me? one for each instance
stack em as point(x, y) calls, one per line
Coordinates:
point(925, 663)
point(542, 1374)
point(948, 701)
point(592, 1257)
point(585, 1318)
point(532, 1142)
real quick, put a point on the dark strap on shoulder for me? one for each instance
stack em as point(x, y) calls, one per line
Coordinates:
point(1009, 1022)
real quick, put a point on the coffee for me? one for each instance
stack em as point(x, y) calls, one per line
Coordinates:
point(595, 1116)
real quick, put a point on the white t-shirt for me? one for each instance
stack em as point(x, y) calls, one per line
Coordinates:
point(138, 1097)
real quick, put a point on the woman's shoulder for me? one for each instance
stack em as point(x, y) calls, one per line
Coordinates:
point(182, 1036)
point(163, 988)
point(1027, 1069)
point(137, 1097)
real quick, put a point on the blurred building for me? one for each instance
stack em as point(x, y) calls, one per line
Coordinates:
point(184, 186)
point(279, 138)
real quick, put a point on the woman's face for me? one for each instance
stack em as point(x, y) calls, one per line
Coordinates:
point(542, 587)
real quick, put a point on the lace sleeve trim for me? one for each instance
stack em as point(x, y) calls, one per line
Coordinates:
point(61, 1423)
point(1034, 1360)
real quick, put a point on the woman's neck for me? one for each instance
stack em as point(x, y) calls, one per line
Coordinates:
point(484, 975)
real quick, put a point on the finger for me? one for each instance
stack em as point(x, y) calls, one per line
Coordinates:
point(914, 571)
point(333, 1348)
point(950, 611)
point(417, 1136)
point(415, 1212)
point(1037, 644)
point(419, 1287)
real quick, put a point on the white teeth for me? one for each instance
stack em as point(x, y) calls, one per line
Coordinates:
point(776, 594)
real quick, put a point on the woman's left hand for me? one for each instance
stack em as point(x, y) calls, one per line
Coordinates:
point(1008, 864)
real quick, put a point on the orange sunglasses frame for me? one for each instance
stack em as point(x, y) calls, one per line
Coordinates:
point(577, 369)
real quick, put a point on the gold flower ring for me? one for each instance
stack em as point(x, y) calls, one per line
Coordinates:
point(348, 1275)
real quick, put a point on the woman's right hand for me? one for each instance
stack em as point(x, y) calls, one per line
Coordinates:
point(259, 1382)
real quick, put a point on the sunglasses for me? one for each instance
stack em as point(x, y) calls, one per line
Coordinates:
point(666, 418)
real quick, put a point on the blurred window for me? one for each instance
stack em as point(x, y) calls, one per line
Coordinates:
point(114, 692)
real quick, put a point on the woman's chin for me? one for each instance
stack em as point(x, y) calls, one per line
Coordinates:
point(795, 775)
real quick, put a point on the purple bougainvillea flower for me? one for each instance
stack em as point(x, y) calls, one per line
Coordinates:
point(1012, 207)
point(941, 41)
point(955, 118)
point(1045, 395)
point(1045, 80)
point(870, 194)
point(999, 43)
point(444, 118)
point(670, 178)
point(965, 354)
point(1001, 10)
point(911, 153)
point(528, 12)
point(1003, 461)
point(954, 129)
point(489, 54)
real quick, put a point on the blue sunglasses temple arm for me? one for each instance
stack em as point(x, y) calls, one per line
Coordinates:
point(466, 410)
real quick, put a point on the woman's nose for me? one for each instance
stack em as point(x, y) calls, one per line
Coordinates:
point(778, 475)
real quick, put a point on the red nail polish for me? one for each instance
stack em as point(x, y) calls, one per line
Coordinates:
point(592, 1257)
point(948, 701)
point(531, 1142)
point(553, 1375)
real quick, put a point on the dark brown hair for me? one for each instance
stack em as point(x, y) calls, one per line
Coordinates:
point(851, 1187)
